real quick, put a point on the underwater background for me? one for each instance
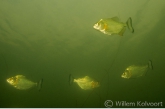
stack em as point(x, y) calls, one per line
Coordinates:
point(51, 39)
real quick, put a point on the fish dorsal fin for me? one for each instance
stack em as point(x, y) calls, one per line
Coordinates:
point(115, 19)
point(20, 76)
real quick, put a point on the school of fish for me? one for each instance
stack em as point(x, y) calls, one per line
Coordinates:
point(108, 26)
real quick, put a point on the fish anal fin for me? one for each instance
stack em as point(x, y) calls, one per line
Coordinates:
point(122, 31)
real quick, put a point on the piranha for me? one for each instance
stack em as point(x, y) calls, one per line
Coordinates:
point(22, 83)
point(87, 83)
point(113, 25)
point(135, 71)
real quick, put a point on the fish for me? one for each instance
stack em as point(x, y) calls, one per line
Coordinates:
point(22, 83)
point(87, 83)
point(113, 25)
point(70, 79)
point(135, 71)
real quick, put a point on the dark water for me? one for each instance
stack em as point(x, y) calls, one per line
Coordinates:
point(51, 39)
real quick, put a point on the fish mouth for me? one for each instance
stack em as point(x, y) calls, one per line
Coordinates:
point(10, 81)
point(96, 26)
point(127, 74)
point(123, 76)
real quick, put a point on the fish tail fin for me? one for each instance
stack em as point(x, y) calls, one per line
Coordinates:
point(150, 64)
point(39, 84)
point(129, 24)
point(71, 79)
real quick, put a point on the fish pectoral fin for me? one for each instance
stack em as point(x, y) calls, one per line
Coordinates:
point(122, 31)
point(105, 27)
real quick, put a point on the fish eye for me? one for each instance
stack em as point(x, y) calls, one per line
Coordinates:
point(127, 71)
point(95, 25)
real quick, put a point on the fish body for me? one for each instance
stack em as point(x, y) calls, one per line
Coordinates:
point(112, 26)
point(87, 83)
point(22, 83)
point(135, 71)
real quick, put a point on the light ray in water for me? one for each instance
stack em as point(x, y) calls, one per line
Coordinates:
point(97, 93)
point(110, 26)
point(5, 62)
point(114, 27)
point(111, 65)
point(102, 79)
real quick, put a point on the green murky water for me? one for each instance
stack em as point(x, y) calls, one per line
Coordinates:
point(51, 39)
